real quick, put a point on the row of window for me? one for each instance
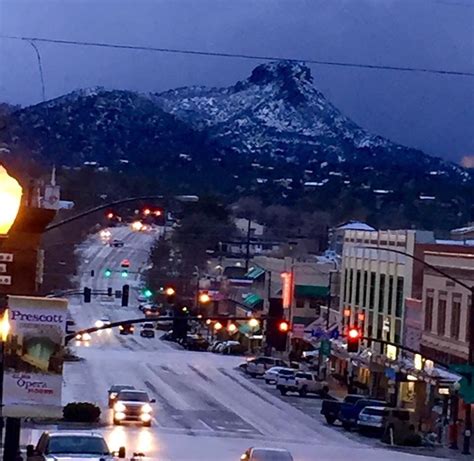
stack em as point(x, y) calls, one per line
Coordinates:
point(365, 289)
point(441, 311)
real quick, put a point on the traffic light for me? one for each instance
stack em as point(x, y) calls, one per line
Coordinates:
point(125, 295)
point(147, 293)
point(180, 323)
point(107, 272)
point(353, 340)
point(170, 293)
point(124, 273)
point(87, 294)
point(92, 273)
point(284, 326)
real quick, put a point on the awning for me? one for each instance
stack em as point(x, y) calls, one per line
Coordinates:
point(253, 300)
point(311, 291)
point(254, 273)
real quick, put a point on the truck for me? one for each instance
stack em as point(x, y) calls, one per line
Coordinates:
point(302, 382)
point(331, 408)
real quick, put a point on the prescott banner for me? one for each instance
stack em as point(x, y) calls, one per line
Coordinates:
point(33, 357)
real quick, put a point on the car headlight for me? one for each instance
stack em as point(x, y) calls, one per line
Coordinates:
point(99, 324)
point(86, 337)
point(147, 408)
point(113, 395)
point(78, 336)
point(119, 407)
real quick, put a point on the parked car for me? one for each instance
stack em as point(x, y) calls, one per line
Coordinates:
point(116, 243)
point(196, 343)
point(401, 423)
point(371, 419)
point(286, 381)
point(214, 345)
point(331, 408)
point(349, 413)
point(257, 366)
point(271, 375)
point(309, 383)
point(266, 454)
point(231, 347)
point(147, 330)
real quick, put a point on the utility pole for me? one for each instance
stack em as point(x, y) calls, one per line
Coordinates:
point(247, 247)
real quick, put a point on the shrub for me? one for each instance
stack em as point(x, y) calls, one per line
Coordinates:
point(81, 412)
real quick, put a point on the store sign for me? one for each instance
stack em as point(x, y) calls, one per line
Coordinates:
point(287, 290)
point(33, 357)
point(5, 280)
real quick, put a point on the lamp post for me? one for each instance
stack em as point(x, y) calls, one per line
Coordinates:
point(470, 312)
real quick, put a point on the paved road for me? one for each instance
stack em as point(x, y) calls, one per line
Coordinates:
point(205, 409)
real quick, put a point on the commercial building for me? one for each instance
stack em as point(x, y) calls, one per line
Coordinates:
point(445, 325)
point(376, 282)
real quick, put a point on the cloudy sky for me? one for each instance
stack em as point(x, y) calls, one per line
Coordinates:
point(431, 112)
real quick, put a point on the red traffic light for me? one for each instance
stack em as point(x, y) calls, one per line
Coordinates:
point(354, 333)
point(284, 327)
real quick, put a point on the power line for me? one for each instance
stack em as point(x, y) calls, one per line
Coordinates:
point(239, 55)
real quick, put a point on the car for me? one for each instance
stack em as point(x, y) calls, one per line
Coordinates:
point(310, 383)
point(196, 343)
point(114, 391)
point(102, 322)
point(331, 408)
point(349, 413)
point(231, 347)
point(85, 337)
point(270, 376)
point(126, 329)
point(371, 419)
point(286, 381)
point(214, 346)
point(147, 330)
point(65, 446)
point(105, 234)
point(125, 263)
point(257, 366)
point(151, 312)
point(266, 454)
point(133, 405)
point(117, 243)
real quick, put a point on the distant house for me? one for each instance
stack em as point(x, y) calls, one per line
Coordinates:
point(463, 233)
point(336, 234)
point(256, 229)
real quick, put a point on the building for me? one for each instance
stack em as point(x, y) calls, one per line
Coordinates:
point(463, 233)
point(375, 282)
point(336, 234)
point(446, 304)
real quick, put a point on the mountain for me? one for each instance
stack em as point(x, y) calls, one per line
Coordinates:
point(273, 135)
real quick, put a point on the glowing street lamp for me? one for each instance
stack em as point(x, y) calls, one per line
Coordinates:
point(204, 298)
point(254, 323)
point(10, 200)
point(218, 326)
point(232, 328)
point(4, 326)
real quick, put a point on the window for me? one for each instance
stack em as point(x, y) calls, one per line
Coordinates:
point(429, 311)
point(381, 292)
point(390, 294)
point(456, 316)
point(357, 293)
point(316, 305)
point(399, 300)
point(441, 315)
point(346, 285)
point(351, 276)
point(365, 288)
point(300, 303)
point(372, 290)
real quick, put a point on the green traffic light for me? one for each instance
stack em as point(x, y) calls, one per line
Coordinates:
point(147, 293)
point(108, 272)
point(124, 274)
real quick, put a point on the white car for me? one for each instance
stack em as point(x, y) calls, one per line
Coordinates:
point(271, 375)
point(371, 418)
point(65, 446)
point(257, 366)
point(266, 454)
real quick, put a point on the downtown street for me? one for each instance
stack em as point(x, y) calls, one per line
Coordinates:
point(205, 409)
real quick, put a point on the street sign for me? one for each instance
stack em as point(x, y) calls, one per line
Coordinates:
point(5, 280)
point(6, 257)
point(325, 347)
point(467, 382)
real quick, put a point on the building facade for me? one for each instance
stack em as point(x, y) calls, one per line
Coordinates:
point(376, 282)
point(446, 304)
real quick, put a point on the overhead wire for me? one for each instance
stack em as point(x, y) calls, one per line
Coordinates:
point(220, 54)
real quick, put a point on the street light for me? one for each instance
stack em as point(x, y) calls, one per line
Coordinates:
point(254, 323)
point(204, 298)
point(10, 200)
point(218, 326)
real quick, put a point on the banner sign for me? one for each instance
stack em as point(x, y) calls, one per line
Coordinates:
point(33, 357)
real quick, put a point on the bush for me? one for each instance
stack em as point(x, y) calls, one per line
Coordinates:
point(81, 412)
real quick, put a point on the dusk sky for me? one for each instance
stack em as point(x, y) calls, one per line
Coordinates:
point(431, 112)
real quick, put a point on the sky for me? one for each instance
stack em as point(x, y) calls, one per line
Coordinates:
point(432, 112)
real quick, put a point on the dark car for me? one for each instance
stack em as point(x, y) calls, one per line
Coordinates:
point(331, 408)
point(114, 390)
point(126, 329)
point(196, 343)
point(116, 243)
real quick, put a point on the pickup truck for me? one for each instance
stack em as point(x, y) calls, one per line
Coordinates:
point(330, 409)
point(301, 382)
point(349, 413)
